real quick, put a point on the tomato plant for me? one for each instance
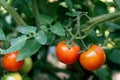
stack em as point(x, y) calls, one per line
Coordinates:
point(93, 58)
point(10, 63)
point(67, 54)
point(38, 28)
point(12, 76)
point(27, 66)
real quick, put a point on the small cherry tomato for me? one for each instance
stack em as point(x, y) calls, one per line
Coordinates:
point(93, 58)
point(10, 63)
point(12, 76)
point(67, 54)
point(27, 65)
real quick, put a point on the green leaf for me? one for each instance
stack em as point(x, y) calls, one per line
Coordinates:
point(24, 8)
point(117, 2)
point(26, 29)
point(114, 56)
point(92, 36)
point(2, 35)
point(117, 41)
point(43, 27)
point(30, 48)
point(50, 38)
point(112, 25)
point(100, 8)
point(45, 19)
point(41, 37)
point(103, 73)
point(69, 4)
point(16, 44)
point(58, 29)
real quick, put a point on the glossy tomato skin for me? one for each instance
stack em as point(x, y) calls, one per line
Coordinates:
point(9, 62)
point(67, 55)
point(93, 58)
point(12, 76)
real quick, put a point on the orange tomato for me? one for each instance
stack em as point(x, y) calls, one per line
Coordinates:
point(9, 62)
point(93, 58)
point(67, 55)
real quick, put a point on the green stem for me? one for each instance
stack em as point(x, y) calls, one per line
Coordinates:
point(73, 37)
point(36, 12)
point(79, 30)
point(97, 20)
point(69, 24)
point(10, 2)
point(13, 13)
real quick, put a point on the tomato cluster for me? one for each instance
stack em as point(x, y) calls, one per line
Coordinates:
point(10, 63)
point(91, 59)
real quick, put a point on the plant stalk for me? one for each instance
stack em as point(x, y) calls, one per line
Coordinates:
point(10, 2)
point(36, 12)
point(97, 20)
point(79, 30)
point(13, 13)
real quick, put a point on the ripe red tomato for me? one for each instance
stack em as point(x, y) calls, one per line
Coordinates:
point(93, 58)
point(9, 62)
point(67, 55)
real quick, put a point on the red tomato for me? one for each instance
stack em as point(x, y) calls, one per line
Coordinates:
point(9, 62)
point(93, 58)
point(67, 55)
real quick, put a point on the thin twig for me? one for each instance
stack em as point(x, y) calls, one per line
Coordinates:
point(79, 30)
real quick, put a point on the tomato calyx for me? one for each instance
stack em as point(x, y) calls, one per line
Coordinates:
point(81, 51)
point(70, 44)
point(85, 49)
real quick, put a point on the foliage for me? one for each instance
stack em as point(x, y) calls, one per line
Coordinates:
point(33, 26)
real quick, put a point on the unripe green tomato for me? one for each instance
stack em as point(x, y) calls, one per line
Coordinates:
point(12, 76)
point(27, 66)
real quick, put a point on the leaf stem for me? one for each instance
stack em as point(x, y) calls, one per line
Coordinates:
point(13, 13)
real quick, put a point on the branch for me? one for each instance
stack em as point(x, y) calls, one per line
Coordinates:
point(36, 12)
point(13, 13)
point(97, 20)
